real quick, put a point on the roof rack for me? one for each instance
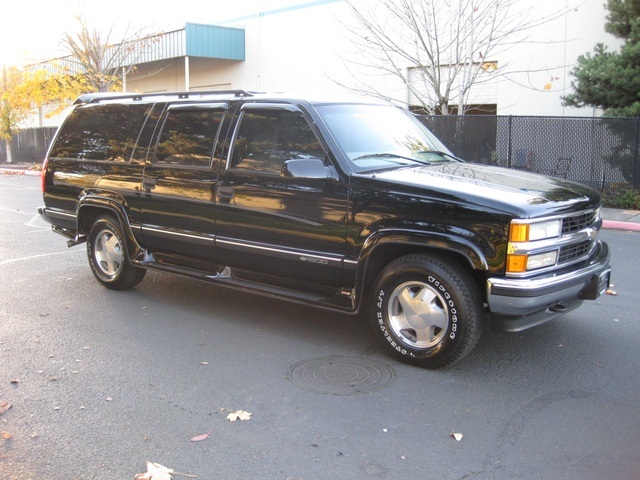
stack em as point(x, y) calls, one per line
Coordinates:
point(99, 96)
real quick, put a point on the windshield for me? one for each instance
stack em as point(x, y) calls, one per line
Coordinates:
point(377, 137)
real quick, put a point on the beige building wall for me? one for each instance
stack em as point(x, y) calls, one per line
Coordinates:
point(306, 47)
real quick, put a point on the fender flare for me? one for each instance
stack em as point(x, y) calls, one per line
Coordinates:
point(110, 201)
point(419, 239)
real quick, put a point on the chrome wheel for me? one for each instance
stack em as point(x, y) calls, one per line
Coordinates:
point(418, 315)
point(108, 252)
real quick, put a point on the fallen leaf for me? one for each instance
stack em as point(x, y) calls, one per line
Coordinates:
point(239, 415)
point(6, 435)
point(611, 292)
point(4, 406)
point(457, 436)
point(15, 381)
point(199, 438)
point(155, 471)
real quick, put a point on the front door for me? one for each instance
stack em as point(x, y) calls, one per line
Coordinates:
point(277, 224)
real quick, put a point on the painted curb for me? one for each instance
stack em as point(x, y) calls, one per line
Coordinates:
point(615, 225)
point(17, 171)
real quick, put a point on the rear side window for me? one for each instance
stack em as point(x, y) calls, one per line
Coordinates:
point(188, 136)
point(106, 132)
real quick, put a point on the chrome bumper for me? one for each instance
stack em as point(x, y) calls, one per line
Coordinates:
point(518, 304)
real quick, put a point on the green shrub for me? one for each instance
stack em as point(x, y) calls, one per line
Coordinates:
point(625, 197)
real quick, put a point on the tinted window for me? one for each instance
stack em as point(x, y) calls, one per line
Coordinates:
point(101, 132)
point(146, 135)
point(188, 136)
point(267, 138)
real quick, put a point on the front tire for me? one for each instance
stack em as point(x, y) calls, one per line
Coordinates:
point(427, 311)
point(109, 256)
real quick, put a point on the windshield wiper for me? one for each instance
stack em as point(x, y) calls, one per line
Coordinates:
point(390, 155)
point(444, 155)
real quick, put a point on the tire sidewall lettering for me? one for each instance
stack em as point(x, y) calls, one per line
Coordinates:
point(453, 328)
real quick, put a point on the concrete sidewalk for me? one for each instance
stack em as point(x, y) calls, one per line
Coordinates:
point(613, 218)
point(617, 219)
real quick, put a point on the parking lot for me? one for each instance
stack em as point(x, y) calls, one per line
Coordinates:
point(101, 382)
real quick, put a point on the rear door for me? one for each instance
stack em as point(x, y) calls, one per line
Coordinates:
point(178, 185)
point(273, 223)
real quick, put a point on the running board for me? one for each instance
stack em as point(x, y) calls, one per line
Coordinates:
point(340, 299)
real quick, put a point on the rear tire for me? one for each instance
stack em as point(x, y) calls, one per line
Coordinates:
point(427, 311)
point(109, 256)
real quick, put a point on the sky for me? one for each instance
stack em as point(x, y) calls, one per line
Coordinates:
point(32, 29)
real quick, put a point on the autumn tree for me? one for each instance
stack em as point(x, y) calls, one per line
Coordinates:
point(438, 49)
point(13, 109)
point(611, 80)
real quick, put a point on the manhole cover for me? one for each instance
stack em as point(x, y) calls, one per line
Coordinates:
point(336, 375)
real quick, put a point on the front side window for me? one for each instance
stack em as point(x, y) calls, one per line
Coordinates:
point(105, 132)
point(267, 138)
point(188, 137)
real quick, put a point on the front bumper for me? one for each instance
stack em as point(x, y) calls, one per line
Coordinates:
point(518, 304)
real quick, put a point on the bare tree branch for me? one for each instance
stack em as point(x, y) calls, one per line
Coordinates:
point(436, 50)
point(103, 61)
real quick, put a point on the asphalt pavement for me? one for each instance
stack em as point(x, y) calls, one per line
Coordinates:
point(94, 383)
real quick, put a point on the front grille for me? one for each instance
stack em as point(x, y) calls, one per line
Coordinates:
point(578, 222)
point(573, 252)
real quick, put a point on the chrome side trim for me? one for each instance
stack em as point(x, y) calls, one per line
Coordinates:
point(161, 232)
point(292, 255)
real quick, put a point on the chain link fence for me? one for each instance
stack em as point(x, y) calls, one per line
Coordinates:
point(601, 152)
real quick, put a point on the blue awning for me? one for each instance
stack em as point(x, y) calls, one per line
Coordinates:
point(211, 41)
point(194, 40)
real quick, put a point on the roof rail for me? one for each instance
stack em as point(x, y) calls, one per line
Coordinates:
point(98, 96)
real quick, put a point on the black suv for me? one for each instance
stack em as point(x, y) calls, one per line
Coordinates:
point(345, 205)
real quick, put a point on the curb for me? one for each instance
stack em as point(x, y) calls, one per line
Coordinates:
point(616, 225)
point(18, 171)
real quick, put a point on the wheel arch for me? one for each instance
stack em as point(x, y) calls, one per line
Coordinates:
point(382, 249)
point(92, 205)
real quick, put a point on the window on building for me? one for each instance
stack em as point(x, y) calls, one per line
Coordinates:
point(480, 99)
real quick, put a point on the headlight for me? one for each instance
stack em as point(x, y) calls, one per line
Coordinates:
point(522, 238)
point(530, 232)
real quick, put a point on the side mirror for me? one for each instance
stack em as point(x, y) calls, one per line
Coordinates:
point(306, 168)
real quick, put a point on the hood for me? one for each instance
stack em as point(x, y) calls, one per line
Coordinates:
point(520, 193)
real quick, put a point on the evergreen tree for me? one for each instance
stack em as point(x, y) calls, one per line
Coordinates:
point(611, 80)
